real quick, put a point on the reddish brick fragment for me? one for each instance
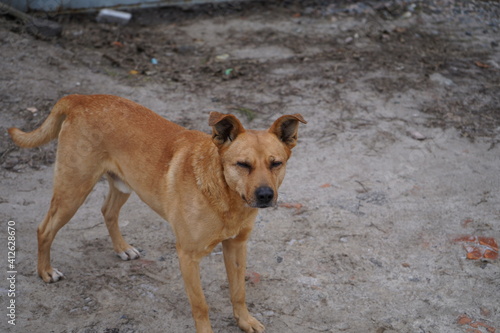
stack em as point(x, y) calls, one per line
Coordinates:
point(489, 241)
point(464, 319)
point(473, 330)
point(488, 327)
point(474, 325)
point(473, 253)
point(479, 247)
point(491, 255)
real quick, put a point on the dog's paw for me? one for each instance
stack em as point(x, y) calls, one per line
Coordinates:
point(129, 254)
point(251, 325)
point(52, 275)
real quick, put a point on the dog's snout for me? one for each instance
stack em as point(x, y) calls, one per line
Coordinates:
point(264, 196)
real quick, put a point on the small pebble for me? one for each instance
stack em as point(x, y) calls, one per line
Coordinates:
point(417, 135)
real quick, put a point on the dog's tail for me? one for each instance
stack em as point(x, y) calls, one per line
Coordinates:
point(48, 131)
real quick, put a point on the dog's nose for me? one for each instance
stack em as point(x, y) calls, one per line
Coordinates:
point(264, 196)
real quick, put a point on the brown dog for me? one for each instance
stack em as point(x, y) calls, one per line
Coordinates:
point(208, 188)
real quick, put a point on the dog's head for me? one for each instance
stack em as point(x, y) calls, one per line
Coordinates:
point(254, 162)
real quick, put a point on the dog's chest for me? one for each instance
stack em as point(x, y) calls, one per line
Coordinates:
point(228, 233)
point(237, 220)
point(234, 225)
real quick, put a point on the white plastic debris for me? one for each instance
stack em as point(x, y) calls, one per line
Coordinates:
point(417, 135)
point(113, 16)
point(440, 79)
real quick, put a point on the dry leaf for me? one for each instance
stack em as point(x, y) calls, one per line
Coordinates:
point(290, 205)
point(481, 64)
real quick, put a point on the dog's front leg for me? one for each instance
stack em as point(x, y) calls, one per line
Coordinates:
point(190, 268)
point(235, 259)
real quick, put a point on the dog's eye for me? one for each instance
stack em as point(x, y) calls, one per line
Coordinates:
point(244, 165)
point(276, 164)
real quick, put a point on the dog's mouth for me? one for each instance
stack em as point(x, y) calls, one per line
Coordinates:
point(261, 205)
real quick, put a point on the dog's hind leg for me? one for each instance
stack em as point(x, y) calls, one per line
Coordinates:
point(70, 191)
point(111, 210)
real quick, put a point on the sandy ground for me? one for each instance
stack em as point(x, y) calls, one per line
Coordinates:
point(400, 158)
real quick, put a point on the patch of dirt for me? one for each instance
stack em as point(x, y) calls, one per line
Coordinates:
point(362, 240)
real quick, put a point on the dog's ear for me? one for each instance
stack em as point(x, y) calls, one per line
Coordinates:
point(225, 127)
point(286, 128)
